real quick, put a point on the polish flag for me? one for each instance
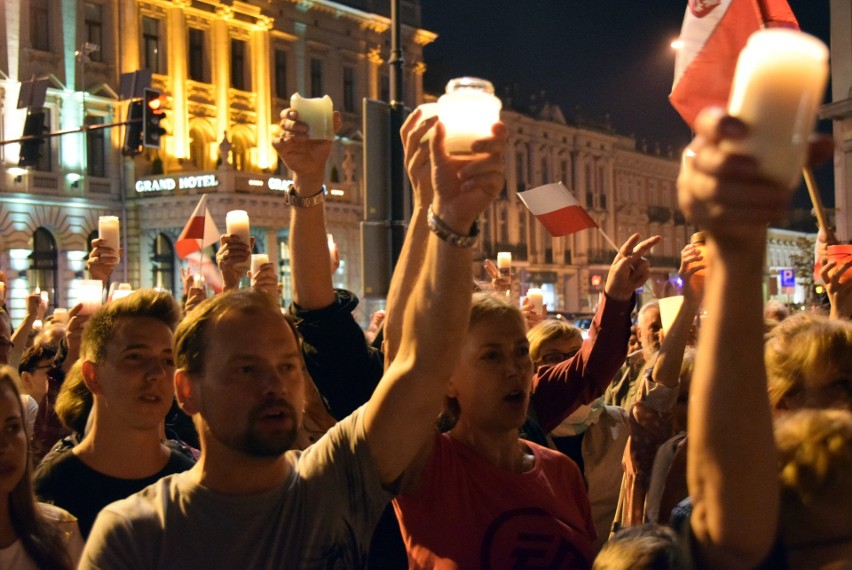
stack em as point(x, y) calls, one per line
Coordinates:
point(199, 232)
point(712, 36)
point(556, 208)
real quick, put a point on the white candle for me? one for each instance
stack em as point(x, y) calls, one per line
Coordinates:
point(108, 231)
point(257, 260)
point(237, 223)
point(44, 298)
point(60, 316)
point(778, 86)
point(536, 295)
point(90, 293)
point(504, 262)
point(317, 113)
point(468, 110)
point(198, 280)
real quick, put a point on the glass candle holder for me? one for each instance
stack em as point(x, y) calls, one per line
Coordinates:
point(108, 230)
point(60, 316)
point(318, 113)
point(778, 86)
point(536, 296)
point(504, 262)
point(697, 239)
point(468, 110)
point(237, 223)
point(257, 260)
point(90, 293)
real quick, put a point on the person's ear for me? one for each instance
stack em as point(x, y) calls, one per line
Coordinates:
point(185, 392)
point(90, 377)
point(26, 380)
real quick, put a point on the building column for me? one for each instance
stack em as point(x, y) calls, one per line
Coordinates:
point(301, 68)
point(178, 57)
point(222, 68)
point(418, 70)
point(374, 75)
point(261, 85)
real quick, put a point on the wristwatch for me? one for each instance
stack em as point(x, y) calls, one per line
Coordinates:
point(305, 201)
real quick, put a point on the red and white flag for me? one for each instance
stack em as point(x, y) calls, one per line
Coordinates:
point(199, 232)
point(556, 208)
point(712, 36)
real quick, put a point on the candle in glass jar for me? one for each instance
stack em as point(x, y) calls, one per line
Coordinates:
point(257, 260)
point(536, 296)
point(698, 241)
point(60, 316)
point(108, 230)
point(504, 262)
point(90, 293)
point(121, 293)
point(778, 86)
point(318, 113)
point(468, 111)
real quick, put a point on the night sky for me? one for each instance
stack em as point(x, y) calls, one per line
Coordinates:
point(591, 57)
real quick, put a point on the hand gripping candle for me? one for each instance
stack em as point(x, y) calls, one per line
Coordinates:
point(317, 113)
point(778, 86)
point(468, 110)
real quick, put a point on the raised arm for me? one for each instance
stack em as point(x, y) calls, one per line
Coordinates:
point(309, 255)
point(401, 414)
point(418, 166)
point(35, 310)
point(667, 367)
point(732, 463)
point(560, 389)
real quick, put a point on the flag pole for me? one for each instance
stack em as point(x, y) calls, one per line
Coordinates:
point(813, 191)
point(608, 240)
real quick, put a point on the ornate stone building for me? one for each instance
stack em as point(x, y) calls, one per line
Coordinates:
point(227, 68)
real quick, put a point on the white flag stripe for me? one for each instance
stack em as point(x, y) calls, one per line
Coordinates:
point(548, 198)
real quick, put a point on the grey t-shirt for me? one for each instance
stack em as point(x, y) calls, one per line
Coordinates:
point(322, 517)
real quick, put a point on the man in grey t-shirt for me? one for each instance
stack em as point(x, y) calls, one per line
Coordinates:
point(251, 503)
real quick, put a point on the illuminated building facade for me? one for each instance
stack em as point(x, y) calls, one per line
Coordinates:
point(227, 69)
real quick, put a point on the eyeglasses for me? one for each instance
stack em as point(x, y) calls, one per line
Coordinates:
point(557, 357)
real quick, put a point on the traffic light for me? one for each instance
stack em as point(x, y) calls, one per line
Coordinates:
point(133, 131)
point(152, 114)
point(31, 150)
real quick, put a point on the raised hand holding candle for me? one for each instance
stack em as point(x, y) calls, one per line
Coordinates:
point(536, 296)
point(318, 113)
point(108, 230)
point(504, 262)
point(468, 110)
point(778, 86)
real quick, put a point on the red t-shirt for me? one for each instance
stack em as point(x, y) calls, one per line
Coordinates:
point(469, 513)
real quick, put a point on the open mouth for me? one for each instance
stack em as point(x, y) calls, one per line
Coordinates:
point(516, 397)
point(150, 399)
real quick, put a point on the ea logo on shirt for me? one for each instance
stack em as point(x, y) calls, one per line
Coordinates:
point(531, 538)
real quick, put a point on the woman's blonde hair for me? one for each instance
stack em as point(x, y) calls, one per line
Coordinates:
point(75, 400)
point(815, 457)
point(803, 348)
point(550, 329)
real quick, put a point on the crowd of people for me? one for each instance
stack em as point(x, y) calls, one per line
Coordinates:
point(464, 430)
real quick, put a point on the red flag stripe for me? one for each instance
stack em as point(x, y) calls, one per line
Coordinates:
point(565, 221)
